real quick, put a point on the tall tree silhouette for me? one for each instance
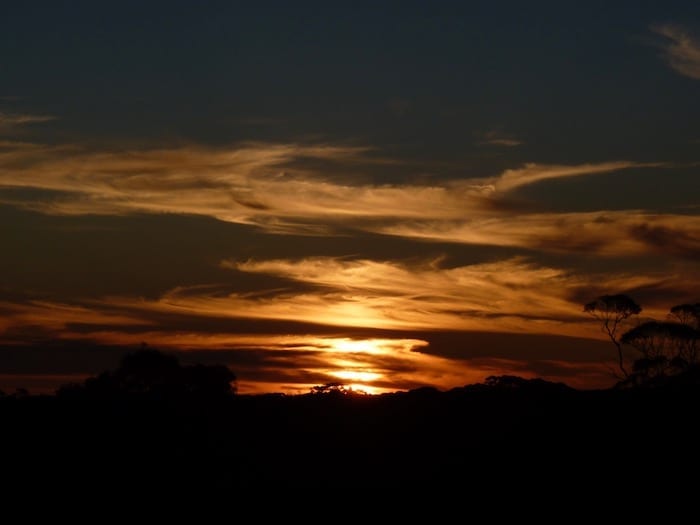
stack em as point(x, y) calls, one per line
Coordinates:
point(611, 311)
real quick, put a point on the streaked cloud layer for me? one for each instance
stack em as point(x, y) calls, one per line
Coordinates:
point(603, 233)
point(8, 120)
point(268, 186)
point(294, 189)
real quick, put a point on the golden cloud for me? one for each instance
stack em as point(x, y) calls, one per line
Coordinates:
point(276, 188)
point(512, 295)
point(608, 233)
point(532, 173)
point(48, 316)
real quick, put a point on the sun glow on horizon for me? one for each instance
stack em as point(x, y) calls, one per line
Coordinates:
point(370, 346)
point(357, 375)
point(360, 388)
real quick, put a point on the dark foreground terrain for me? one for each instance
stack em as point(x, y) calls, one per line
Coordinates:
point(505, 429)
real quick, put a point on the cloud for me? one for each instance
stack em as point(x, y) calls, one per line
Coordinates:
point(681, 51)
point(258, 184)
point(532, 173)
point(381, 325)
point(9, 120)
point(503, 142)
point(293, 364)
point(289, 188)
point(254, 185)
point(43, 339)
point(493, 138)
point(263, 362)
point(513, 295)
point(669, 238)
point(36, 319)
point(608, 233)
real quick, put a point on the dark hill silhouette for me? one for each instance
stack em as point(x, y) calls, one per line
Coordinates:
point(158, 424)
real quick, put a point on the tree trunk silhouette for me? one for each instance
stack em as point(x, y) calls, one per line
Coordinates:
point(611, 331)
point(620, 357)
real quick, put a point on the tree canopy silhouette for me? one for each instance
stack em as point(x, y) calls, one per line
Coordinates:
point(152, 374)
point(336, 389)
point(688, 314)
point(666, 347)
point(611, 311)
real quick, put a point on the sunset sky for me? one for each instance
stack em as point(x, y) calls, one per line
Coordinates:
point(385, 194)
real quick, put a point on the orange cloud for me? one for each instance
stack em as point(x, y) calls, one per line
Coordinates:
point(532, 173)
point(513, 295)
point(275, 187)
point(57, 317)
point(609, 233)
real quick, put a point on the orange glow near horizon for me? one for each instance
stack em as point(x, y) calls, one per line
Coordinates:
point(414, 296)
point(367, 346)
point(371, 365)
point(356, 375)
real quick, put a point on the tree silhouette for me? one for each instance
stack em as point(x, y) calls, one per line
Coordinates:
point(152, 374)
point(336, 389)
point(148, 372)
point(666, 346)
point(688, 314)
point(208, 380)
point(611, 311)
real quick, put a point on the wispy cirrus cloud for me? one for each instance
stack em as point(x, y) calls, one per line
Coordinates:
point(392, 308)
point(40, 319)
point(282, 188)
point(681, 50)
point(494, 138)
point(513, 295)
point(263, 362)
point(251, 180)
point(609, 233)
point(503, 142)
point(532, 173)
point(11, 120)
point(291, 364)
point(264, 184)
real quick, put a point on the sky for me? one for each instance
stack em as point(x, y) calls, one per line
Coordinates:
point(384, 194)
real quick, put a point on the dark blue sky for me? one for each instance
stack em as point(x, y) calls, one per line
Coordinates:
point(573, 81)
